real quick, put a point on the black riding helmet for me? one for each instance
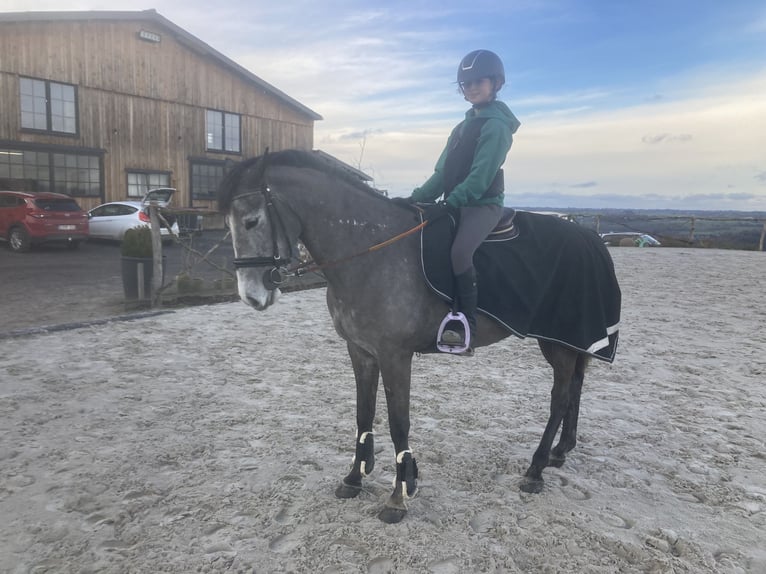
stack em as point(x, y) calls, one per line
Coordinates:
point(481, 64)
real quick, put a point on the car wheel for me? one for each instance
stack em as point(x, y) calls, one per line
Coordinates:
point(19, 240)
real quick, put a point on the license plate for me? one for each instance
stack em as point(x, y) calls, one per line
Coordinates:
point(67, 227)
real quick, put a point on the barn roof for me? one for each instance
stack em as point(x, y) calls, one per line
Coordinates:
point(184, 37)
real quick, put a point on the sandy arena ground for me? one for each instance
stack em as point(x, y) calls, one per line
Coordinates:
point(211, 439)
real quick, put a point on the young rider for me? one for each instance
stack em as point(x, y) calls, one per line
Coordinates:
point(468, 174)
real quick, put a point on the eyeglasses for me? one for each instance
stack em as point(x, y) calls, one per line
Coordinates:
point(468, 83)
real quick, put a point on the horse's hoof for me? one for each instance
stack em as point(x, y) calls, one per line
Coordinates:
point(392, 515)
point(556, 461)
point(532, 485)
point(347, 490)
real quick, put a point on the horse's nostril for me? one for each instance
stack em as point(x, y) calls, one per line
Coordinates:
point(254, 303)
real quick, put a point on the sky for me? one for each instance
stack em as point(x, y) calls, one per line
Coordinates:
point(643, 104)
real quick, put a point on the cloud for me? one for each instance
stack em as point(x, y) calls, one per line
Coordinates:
point(756, 26)
point(571, 201)
point(359, 135)
point(666, 138)
point(384, 78)
point(555, 100)
point(584, 185)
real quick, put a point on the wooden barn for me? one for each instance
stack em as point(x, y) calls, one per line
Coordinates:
point(105, 105)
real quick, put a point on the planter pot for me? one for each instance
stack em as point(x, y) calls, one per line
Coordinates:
point(130, 267)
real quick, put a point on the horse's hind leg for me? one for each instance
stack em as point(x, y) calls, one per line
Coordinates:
point(563, 361)
point(568, 438)
point(366, 374)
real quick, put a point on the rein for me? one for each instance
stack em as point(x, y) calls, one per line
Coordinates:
point(310, 267)
point(274, 277)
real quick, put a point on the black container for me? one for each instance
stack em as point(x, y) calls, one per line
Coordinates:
point(130, 276)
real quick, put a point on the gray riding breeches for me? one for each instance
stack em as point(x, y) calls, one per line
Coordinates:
point(476, 223)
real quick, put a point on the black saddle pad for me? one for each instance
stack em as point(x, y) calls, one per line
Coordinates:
point(548, 278)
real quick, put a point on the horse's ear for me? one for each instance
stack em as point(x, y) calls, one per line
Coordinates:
point(228, 165)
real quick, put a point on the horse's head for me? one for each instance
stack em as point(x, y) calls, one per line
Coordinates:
point(264, 233)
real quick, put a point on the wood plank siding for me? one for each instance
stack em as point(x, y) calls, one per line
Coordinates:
point(141, 105)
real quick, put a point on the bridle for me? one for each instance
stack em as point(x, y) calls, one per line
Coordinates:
point(278, 271)
point(272, 277)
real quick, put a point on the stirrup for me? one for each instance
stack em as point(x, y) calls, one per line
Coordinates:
point(454, 345)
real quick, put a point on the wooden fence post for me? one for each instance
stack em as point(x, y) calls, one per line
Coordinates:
point(140, 276)
point(157, 278)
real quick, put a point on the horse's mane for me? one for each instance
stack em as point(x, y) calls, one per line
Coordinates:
point(286, 158)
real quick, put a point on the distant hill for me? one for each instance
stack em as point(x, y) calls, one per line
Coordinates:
point(675, 228)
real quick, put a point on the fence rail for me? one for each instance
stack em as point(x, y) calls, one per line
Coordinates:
point(628, 223)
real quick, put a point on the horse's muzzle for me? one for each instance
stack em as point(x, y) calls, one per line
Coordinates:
point(254, 292)
point(261, 305)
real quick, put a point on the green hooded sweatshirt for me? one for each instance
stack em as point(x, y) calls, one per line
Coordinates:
point(495, 139)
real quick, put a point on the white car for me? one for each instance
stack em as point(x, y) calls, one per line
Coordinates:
point(111, 220)
point(638, 239)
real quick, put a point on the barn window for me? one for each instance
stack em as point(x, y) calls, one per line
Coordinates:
point(24, 170)
point(42, 170)
point(205, 179)
point(140, 182)
point(78, 175)
point(223, 133)
point(48, 106)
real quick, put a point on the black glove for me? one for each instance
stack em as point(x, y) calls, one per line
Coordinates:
point(435, 211)
point(403, 201)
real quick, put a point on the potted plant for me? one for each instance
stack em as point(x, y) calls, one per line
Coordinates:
point(137, 251)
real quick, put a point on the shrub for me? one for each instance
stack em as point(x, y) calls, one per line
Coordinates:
point(137, 242)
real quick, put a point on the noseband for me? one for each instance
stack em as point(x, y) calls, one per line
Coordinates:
point(272, 277)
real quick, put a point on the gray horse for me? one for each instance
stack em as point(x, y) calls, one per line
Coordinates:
point(379, 302)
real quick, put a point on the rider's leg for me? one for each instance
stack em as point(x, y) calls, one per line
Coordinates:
point(475, 224)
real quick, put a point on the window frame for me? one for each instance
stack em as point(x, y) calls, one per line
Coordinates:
point(50, 104)
point(74, 167)
point(210, 195)
point(224, 135)
point(54, 169)
point(148, 173)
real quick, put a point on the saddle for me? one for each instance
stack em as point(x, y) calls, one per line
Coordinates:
point(539, 276)
point(505, 228)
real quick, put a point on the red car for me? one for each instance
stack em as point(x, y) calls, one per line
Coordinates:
point(28, 219)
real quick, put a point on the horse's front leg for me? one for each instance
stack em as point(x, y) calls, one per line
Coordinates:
point(366, 374)
point(397, 371)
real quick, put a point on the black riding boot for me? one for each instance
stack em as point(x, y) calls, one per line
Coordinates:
point(467, 295)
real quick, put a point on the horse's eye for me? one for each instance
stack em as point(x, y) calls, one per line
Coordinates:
point(250, 223)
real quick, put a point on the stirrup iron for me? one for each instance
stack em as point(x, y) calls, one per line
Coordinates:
point(454, 320)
